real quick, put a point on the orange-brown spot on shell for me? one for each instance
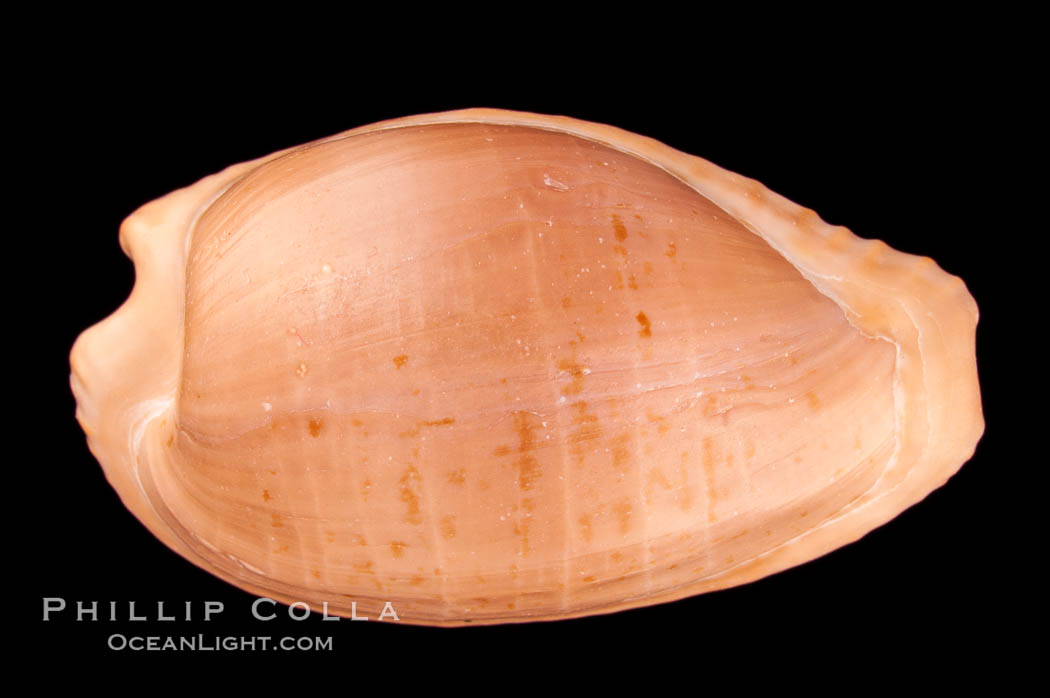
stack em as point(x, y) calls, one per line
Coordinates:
point(586, 527)
point(619, 229)
point(315, 426)
point(410, 485)
point(400, 360)
point(686, 498)
point(814, 401)
point(576, 370)
point(528, 467)
point(647, 328)
point(447, 421)
point(620, 455)
point(397, 548)
point(448, 527)
point(624, 512)
point(266, 495)
point(522, 526)
point(707, 458)
point(458, 477)
point(662, 425)
point(656, 478)
point(587, 427)
point(416, 430)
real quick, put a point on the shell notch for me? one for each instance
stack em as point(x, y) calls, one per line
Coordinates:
point(492, 366)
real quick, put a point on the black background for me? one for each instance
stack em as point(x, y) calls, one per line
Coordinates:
point(893, 146)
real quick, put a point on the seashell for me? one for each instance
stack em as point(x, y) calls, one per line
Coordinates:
point(493, 367)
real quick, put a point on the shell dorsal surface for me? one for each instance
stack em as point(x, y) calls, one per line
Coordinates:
point(494, 367)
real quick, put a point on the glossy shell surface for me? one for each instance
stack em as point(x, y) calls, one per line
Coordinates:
point(492, 366)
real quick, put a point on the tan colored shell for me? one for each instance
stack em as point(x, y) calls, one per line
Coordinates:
point(493, 367)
